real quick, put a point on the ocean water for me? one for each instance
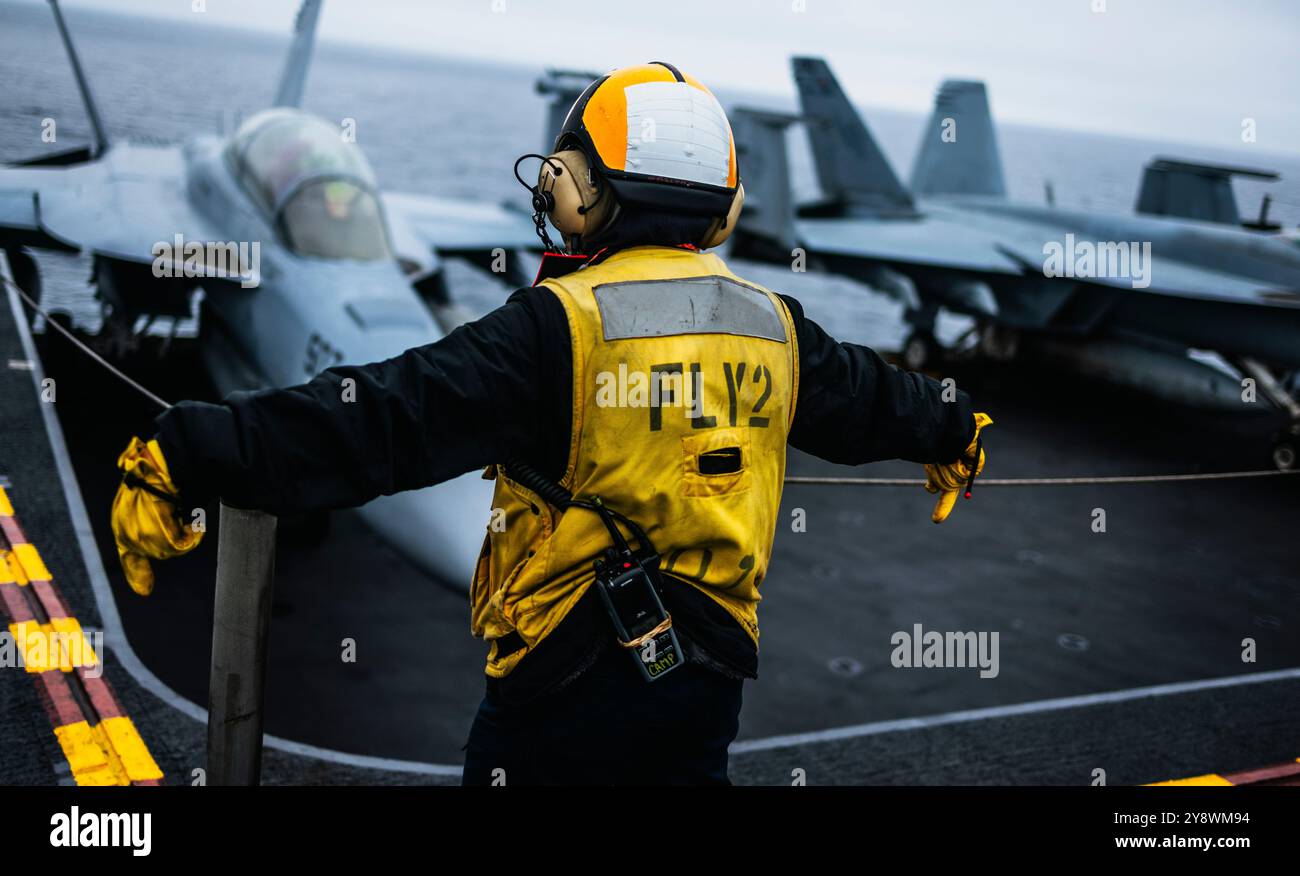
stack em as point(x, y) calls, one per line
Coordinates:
point(451, 127)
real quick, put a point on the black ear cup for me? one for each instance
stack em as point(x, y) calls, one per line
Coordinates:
point(543, 202)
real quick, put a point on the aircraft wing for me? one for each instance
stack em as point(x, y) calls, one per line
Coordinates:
point(923, 241)
point(118, 206)
point(1172, 278)
point(981, 242)
point(1179, 260)
point(453, 224)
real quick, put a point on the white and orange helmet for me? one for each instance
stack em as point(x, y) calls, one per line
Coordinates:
point(647, 137)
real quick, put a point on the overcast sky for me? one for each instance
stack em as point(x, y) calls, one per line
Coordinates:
point(1183, 70)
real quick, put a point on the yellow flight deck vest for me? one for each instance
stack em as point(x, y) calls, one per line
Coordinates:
point(684, 385)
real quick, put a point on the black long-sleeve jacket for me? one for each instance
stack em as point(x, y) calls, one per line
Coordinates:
point(501, 387)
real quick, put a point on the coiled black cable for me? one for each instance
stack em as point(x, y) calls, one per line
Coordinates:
point(554, 494)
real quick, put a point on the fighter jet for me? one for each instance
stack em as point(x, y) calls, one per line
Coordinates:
point(1123, 297)
point(303, 262)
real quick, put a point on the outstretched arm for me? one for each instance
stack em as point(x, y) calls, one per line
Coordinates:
point(437, 411)
point(855, 408)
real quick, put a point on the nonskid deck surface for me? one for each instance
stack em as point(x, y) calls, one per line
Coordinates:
point(1165, 596)
point(68, 723)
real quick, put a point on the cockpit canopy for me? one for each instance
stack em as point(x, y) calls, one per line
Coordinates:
point(316, 186)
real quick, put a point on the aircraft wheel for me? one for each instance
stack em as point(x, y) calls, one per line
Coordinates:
point(1285, 456)
point(919, 350)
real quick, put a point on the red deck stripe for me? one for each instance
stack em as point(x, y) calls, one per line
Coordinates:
point(1265, 774)
point(53, 686)
point(57, 698)
point(9, 526)
point(15, 604)
point(101, 695)
point(50, 599)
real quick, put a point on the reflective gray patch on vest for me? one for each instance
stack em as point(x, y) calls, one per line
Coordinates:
point(688, 306)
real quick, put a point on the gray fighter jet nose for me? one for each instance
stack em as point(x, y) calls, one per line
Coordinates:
point(439, 528)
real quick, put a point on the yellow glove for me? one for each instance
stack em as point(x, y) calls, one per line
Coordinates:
point(948, 480)
point(146, 525)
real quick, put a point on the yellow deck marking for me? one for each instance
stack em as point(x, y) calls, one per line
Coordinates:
point(15, 569)
point(1209, 779)
point(33, 643)
point(91, 758)
point(110, 753)
point(30, 560)
point(130, 749)
point(74, 648)
point(60, 644)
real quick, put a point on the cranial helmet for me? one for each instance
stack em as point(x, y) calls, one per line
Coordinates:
point(642, 138)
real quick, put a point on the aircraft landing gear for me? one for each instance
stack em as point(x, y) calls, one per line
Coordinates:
point(923, 349)
point(999, 343)
point(1284, 455)
point(1286, 444)
point(920, 349)
point(118, 338)
point(1286, 448)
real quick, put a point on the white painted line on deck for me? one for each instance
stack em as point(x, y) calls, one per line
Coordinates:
point(970, 715)
point(115, 634)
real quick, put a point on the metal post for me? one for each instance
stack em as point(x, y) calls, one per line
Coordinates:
point(245, 574)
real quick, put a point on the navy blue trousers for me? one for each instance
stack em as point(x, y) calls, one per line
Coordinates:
point(610, 727)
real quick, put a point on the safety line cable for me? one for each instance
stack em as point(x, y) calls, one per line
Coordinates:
point(799, 480)
point(1044, 482)
point(84, 348)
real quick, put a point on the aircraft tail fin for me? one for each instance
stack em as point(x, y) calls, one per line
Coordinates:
point(83, 84)
point(765, 172)
point(564, 87)
point(1195, 190)
point(294, 77)
point(850, 166)
point(959, 146)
